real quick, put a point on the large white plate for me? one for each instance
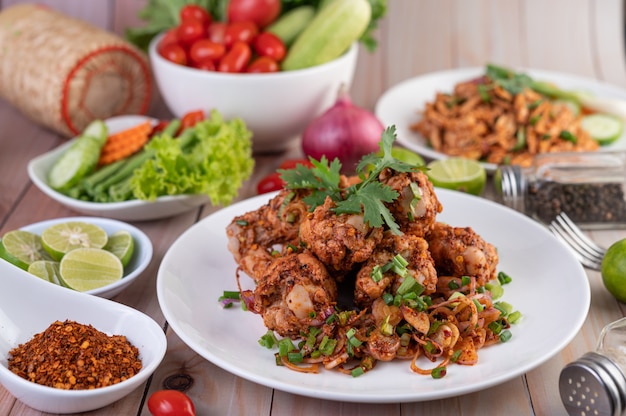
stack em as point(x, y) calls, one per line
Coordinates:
point(198, 268)
point(132, 210)
point(402, 104)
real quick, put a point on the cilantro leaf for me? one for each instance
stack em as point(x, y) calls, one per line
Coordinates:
point(370, 199)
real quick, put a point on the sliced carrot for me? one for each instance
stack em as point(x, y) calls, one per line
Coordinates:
point(122, 144)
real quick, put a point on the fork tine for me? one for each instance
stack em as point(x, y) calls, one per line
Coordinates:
point(586, 251)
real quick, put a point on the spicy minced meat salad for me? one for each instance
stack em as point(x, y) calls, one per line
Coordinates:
point(353, 271)
point(500, 118)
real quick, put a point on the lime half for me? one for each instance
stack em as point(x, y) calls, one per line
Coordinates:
point(21, 248)
point(46, 269)
point(459, 174)
point(60, 239)
point(84, 269)
point(613, 270)
point(121, 244)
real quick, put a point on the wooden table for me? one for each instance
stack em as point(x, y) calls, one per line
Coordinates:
point(447, 34)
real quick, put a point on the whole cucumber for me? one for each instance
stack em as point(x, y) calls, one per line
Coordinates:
point(331, 32)
point(292, 23)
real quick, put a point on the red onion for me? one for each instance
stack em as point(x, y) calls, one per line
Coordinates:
point(344, 131)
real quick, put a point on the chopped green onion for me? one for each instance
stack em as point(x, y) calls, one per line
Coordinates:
point(439, 372)
point(417, 196)
point(455, 356)
point(520, 139)
point(504, 278)
point(376, 274)
point(495, 289)
point(514, 317)
point(230, 294)
point(268, 340)
point(388, 298)
point(504, 307)
point(479, 306)
point(357, 371)
point(285, 346)
point(495, 326)
point(386, 328)
point(430, 347)
point(505, 335)
point(295, 357)
point(465, 280)
point(352, 339)
point(452, 284)
point(566, 135)
point(533, 120)
point(327, 345)
point(243, 223)
point(331, 318)
point(409, 284)
point(483, 91)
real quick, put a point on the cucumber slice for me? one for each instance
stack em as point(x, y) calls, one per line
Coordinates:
point(603, 128)
point(98, 130)
point(75, 163)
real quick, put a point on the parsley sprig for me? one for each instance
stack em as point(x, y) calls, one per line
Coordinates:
point(368, 197)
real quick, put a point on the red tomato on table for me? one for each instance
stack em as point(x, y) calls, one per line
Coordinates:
point(270, 183)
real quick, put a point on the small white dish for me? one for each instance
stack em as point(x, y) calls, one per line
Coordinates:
point(141, 258)
point(133, 210)
point(20, 321)
point(402, 104)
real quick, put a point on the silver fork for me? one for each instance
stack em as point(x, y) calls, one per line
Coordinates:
point(586, 251)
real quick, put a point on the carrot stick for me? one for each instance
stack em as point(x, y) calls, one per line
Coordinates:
point(122, 144)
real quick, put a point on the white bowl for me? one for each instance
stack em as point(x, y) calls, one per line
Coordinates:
point(141, 258)
point(29, 305)
point(133, 210)
point(276, 107)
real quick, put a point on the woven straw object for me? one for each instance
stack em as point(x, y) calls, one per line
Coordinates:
point(63, 73)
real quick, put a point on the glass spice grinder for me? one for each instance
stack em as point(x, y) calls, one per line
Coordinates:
point(595, 383)
point(588, 186)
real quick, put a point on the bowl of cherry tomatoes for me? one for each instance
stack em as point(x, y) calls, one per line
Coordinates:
point(234, 66)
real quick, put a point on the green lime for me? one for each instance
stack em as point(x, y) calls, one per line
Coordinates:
point(121, 244)
point(459, 174)
point(613, 270)
point(46, 269)
point(21, 248)
point(61, 238)
point(603, 128)
point(85, 269)
point(407, 156)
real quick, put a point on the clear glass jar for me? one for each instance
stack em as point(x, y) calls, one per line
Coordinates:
point(595, 384)
point(588, 186)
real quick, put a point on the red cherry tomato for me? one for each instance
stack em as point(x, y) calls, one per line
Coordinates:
point(206, 50)
point(169, 38)
point(263, 64)
point(160, 126)
point(216, 31)
point(236, 59)
point(268, 44)
point(174, 53)
point(240, 32)
point(292, 163)
point(270, 183)
point(205, 65)
point(170, 403)
point(261, 12)
point(193, 11)
point(191, 118)
point(190, 31)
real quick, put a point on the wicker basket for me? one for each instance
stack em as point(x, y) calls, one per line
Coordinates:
point(64, 73)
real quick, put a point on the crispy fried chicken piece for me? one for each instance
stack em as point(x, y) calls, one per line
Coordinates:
point(459, 251)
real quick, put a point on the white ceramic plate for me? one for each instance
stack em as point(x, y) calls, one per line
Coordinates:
point(134, 210)
point(141, 258)
point(198, 268)
point(402, 104)
point(29, 305)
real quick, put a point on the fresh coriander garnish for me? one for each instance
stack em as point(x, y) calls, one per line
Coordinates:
point(367, 197)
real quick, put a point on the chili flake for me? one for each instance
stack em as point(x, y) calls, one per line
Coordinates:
point(73, 356)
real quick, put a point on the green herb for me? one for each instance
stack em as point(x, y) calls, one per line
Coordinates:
point(566, 135)
point(368, 197)
point(268, 340)
point(439, 372)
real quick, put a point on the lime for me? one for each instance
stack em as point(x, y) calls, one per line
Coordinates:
point(21, 248)
point(121, 244)
point(613, 270)
point(459, 174)
point(61, 238)
point(407, 156)
point(85, 269)
point(603, 128)
point(46, 269)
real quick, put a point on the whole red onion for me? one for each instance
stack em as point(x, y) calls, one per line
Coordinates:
point(344, 131)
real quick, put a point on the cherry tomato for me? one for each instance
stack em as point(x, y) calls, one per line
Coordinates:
point(263, 64)
point(268, 44)
point(190, 31)
point(169, 38)
point(270, 183)
point(160, 126)
point(240, 32)
point(292, 163)
point(236, 59)
point(206, 50)
point(216, 32)
point(170, 403)
point(191, 118)
point(205, 65)
point(193, 11)
point(261, 12)
point(174, 53)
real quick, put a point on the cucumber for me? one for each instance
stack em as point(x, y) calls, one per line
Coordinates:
point(292, 23)
point(80, 159)
point(331, 32)
point(603, 128)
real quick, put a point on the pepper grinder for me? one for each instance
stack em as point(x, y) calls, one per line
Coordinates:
point(595, 383)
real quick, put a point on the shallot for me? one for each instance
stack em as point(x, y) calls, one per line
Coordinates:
point(344, 131)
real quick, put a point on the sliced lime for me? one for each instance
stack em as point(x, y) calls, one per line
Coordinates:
point(21, 248)
point(61, 238)
point(603, 128)
point(122, 244)
point(465, 175)
point(47, 270)
point(84, 269)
